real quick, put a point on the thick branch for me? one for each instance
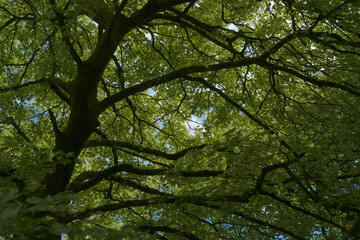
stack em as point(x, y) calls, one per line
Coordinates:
point(109, 101)
point(99, 11)
point(120, 25)
point(16, 87)
point(18, 129)
point(137, 186)
point(114, 143)
point(88, 179)
point(160, 200)
point(61, 21)
point(28, 16)
point(204, 30)
point(55, 86)
point(319, 83)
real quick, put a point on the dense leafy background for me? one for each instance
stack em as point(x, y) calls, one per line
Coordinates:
point(183, 119)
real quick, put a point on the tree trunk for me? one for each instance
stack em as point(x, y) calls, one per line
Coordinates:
point(69, 142)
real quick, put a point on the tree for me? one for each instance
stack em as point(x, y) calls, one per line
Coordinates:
point(180, 119)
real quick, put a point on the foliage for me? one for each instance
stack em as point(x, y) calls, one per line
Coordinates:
point(179, 119)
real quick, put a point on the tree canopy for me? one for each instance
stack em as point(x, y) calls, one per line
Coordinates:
point(179, 119)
